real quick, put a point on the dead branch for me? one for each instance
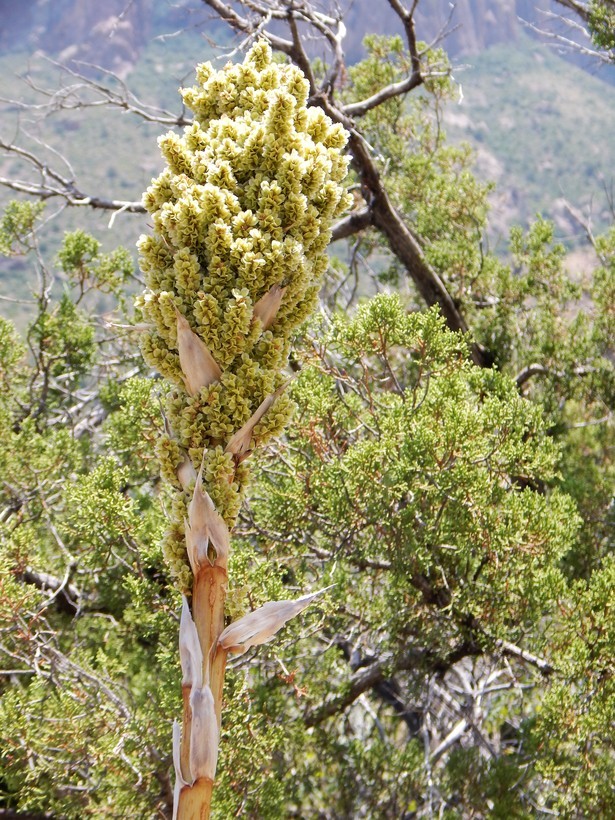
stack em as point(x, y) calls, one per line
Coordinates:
point(537, 369)
point(580, 39)
point(574, 5)
point(53, 184)
point(351, 224)
point(514, 651)
point(64, 595)
point(87, 92)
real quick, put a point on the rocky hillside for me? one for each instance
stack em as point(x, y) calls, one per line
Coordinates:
point(112, 33)
point(468, 28)
point(109, 33)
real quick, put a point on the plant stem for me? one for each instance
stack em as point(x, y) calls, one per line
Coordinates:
point(195, 800)
point(208, 598)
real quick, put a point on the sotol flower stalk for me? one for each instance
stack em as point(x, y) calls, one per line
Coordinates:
point(242, 216)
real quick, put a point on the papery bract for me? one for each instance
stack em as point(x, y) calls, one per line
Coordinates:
point(261, 625)
point(204, 737)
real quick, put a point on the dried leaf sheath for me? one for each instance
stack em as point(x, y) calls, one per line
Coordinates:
point(261, 625)
point(239, 445)
point(179, 779)
point(191, 659)
point(190, 652)
point(205, 526)
point(204, 737)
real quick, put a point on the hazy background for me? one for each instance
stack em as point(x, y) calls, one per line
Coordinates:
point(541, 121)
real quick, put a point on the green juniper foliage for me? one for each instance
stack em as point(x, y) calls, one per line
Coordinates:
point(462, 666)
point(408, 473)
point(86, 628)
point(602, 24)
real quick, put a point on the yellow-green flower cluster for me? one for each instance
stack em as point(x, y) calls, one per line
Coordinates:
point(242, 217)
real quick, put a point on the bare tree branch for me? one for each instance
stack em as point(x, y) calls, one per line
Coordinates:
point(515, 651)
point(72, 197)
point(537, 369)
point(250, 27)
point(414, 79)
point(453, 736)
point(580, 41)
point(64, 594)
point(388, 92)
point(89, 93)
point(380, 670)
point(360, 682)
point(582, 9)
point(53, 184)
point(351, 224)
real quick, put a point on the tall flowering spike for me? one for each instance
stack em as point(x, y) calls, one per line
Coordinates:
point(260, 625)
point(242, 218)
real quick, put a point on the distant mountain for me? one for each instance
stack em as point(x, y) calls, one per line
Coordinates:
point(466, 27)
point(112, 33)
point(109, 33)
point(542, 131)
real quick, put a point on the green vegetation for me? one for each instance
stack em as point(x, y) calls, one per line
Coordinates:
point(110, 155)
point(602, 23)
point(462, 665)
point(542, 128)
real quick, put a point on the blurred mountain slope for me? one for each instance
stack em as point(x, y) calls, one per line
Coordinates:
point(114, 32)
point(541, 127)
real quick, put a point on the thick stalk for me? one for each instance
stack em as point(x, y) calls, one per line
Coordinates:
point(195, 800)
point(186, 729)
point(208, 597)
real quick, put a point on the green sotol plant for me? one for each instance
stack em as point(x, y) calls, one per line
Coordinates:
point(242, 217)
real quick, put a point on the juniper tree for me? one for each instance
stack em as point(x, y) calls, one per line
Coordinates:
point(463, 513)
